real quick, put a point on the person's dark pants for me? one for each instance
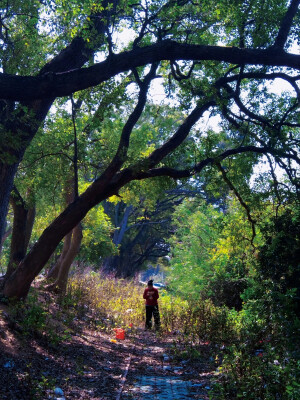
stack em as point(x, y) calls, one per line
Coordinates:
point(152, 310)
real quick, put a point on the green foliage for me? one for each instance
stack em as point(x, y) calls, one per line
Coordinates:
point(24, 48)
point(280, 254)
point(96, 242)
point(262, 361)
point(217, 266)
point(258, 376)
point(107, 303)
point(195, 236)
point(258, 344)
point(173, 311)
point(36, 318)
point(38, 388)
point(35, 32)
point(209, 260)
point(31, 316)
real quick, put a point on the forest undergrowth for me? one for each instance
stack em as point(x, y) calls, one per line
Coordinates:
point(255, 350)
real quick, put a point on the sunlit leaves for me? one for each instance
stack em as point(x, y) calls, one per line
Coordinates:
point(96, 242)
point(211, 252)
point(23, 45)
point(197, 229)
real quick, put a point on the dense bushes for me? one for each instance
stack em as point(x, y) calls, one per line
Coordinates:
point(261, 362)
point(246, 292)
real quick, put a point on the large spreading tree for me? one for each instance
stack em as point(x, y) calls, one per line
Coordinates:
point(215, 58)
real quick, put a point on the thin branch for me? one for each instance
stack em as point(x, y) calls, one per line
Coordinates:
point(239, 80)
point(133, 173)
point(240, 199)
point(244, 109)
point(44, 156)
point(177, 74)
point(285, 116)
point(263, 76)
point(105, 103)
point(276, 183)
point(121, 153)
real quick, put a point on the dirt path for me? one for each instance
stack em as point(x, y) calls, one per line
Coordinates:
point(155, 373)
point(92, 365)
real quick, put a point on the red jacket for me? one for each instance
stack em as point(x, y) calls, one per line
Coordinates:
point(151, 295)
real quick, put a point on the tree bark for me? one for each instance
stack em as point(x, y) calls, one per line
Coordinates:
point(64, 84)
point(29, 225)
point(7, 174)
point(69, 197)
point(17, 245)
point(54, 271)
point(20, 281)
point(21, 232)
point(60, 284)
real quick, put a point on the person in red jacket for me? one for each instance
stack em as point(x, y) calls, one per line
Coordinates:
point(151, 295)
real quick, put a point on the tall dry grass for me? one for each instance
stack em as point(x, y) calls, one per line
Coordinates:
point(119, 303)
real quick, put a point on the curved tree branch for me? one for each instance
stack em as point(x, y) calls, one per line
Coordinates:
point(188, 172)
point(122, 150)
point(261, 76)
point(52, 84)
point(157, 155)
point(234, 94)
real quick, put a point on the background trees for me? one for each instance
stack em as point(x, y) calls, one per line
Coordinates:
point(213, 59)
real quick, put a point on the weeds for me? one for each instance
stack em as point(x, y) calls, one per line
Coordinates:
point(38, 388)
point(108, 302)
point(249, 347)
point(31, 316)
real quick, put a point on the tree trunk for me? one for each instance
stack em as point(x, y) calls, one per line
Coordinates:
point(17, 244)
point(29, 225)
point(7, 173)
point(20, 281)
point(21, 233)
point(60, 284)
point(111, 264)
point(119, 233)
point(54, 271)
point(69, 197)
